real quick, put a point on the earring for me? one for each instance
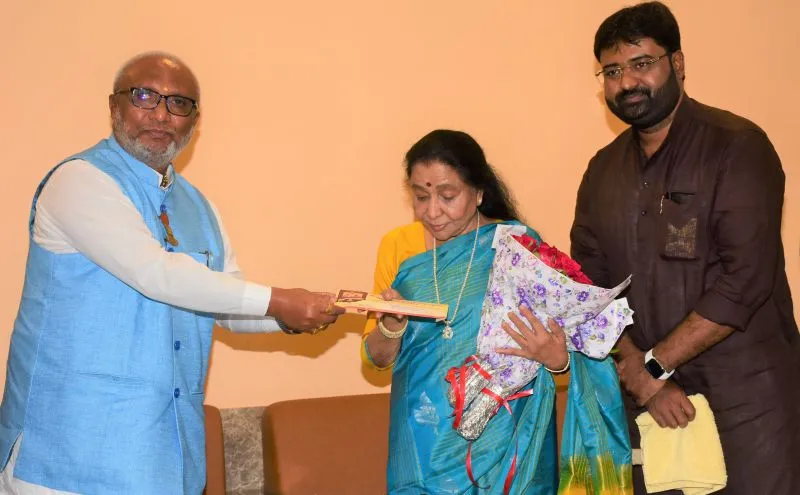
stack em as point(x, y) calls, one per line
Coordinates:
point(480, 200)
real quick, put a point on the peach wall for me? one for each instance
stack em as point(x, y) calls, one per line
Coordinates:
point(308, 108)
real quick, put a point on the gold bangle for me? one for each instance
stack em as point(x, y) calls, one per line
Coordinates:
point(565, 368)
point(390, 334)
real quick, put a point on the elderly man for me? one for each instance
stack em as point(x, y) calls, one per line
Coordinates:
point(689, 200)
point(128, 269)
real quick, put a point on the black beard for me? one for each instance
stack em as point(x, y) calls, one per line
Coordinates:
point(656, 106)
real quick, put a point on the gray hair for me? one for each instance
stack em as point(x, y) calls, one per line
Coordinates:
point(151, 54)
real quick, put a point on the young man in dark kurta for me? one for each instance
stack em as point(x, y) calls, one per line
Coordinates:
point(689, 201)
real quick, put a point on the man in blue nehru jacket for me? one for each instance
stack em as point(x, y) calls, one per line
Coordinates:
point(128, 270)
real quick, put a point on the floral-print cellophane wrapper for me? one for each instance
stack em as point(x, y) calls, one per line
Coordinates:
point(591, 317)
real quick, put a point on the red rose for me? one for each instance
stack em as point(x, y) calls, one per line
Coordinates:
point(549, 255)
point(554, 258)
point(527, 241)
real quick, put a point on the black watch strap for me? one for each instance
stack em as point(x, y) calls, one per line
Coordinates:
point(285, 328)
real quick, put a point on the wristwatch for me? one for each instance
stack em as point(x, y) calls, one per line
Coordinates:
point(285, 328)
point(655, 369)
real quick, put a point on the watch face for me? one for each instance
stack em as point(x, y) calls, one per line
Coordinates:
point(654, 368)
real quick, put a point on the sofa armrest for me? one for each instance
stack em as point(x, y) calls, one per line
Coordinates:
point(215, 452)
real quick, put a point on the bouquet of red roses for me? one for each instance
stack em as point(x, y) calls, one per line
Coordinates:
point(528, 272)
point(553, 258)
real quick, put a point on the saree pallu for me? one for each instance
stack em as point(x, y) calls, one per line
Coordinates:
point(427, 456)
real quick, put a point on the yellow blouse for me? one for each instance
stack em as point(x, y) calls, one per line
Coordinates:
point(395, 247)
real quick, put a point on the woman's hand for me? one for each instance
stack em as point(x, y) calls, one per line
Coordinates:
point(535, 342)
point(382, 348)
point(393, 323)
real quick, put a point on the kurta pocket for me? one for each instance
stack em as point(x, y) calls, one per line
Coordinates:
point(680, 233)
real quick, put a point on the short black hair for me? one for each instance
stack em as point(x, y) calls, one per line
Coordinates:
point(645, 20)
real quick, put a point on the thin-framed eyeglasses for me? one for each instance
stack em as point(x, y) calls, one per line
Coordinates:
point(638, 67)
point(147, 99)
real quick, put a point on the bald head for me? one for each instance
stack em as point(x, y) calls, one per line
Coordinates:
point(150, 63)
point(154, 107)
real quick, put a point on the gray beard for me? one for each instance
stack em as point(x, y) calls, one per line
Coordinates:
point(153, 158)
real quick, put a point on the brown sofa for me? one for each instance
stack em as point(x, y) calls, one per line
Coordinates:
point(332, 445)
point(321, 446)
point(215, 453)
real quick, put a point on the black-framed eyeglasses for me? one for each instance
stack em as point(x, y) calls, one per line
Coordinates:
point(638, 67)
point(147, 99)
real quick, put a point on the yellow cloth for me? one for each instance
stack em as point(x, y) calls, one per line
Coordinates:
point(395, 247)
point(688, 459)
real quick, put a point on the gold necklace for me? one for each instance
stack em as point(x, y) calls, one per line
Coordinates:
point(447, 333)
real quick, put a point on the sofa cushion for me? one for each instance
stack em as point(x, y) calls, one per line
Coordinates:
point(330, 445)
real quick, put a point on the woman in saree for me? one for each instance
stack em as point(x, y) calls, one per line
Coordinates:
point(445, 257)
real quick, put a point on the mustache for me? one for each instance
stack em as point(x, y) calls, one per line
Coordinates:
point(171, 132)
point(631, 92)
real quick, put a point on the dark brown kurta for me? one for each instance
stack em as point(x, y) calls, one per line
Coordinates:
point(698, 226)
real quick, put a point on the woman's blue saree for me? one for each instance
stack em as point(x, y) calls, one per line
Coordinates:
point(427, 456)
